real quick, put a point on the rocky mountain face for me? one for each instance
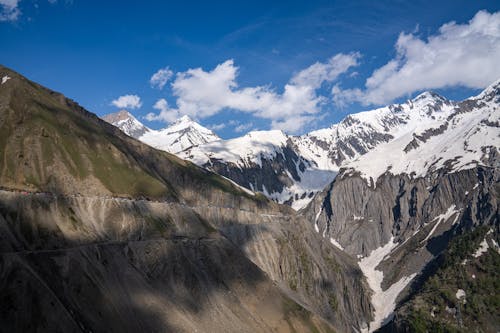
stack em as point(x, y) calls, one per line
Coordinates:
point(125, 121)
point(102, 233)
point(400, 207)
point(264, 161)
point(179, 136)
point(292, 169)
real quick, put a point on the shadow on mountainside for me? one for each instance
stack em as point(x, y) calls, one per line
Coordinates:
point(133, 266)
point(78, 253)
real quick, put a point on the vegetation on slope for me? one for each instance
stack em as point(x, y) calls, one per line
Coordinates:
point(50, 143)
point(440, 307)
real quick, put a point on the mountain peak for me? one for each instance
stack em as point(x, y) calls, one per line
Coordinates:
point(490, 92)
point(118, 116)
point(186, 122)
point(182, 120)
point(429, 96)
point(182, 134)
point(125, 121)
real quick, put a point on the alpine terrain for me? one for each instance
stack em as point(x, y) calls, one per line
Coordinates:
point(179, 136)
point(250, 166)
point(103, 233)
point(403, 185)
point(292, 169)
point(420, 213)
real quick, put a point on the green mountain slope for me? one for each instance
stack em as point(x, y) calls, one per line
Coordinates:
point(50, 143)
point(462, 294)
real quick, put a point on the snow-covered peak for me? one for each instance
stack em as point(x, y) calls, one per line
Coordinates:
point(182, 134)
point(427, 102)
point(183, 120)
point(492, 92)
point(428, 97)
point(186, 124)
point(455, 137)
point(125, 121)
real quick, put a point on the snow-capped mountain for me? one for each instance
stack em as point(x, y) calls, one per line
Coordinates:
point(291, 169)
point(456, 136)
point(432, 144)
point(125, 121)
point(398, 206)
point(180, 135)
point(266, 161)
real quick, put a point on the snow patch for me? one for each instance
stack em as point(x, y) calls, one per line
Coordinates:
point(495, 245)
point(443, 217)
point(336, 244)
point(244, 189)
point(483, 248)
point(460, 294)
point(383, 301)
point(316, 227)
point(5, 78)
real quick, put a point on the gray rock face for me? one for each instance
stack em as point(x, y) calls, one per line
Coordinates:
point(419, 215)
point(127, 123)
point(270, 176)
point(362, 218)
point(308, 268)
point(109, 264)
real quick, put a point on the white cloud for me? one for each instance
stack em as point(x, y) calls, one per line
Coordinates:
point(128, 102)
point(161, 77)
point(201, 94)
point(465, 55)
point(217, 127)
point(319, 72)
point(9, 10)
point(166, 113)
point(243, 127)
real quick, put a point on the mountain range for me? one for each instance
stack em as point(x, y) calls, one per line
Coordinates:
point(179, 136)
point(292, 169)
point(395, 226)
point(103, 233)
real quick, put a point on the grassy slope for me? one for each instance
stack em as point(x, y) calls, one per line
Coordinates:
point(435, 308)
point(50, 143)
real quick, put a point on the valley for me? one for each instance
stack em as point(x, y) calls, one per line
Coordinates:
point(104, 232)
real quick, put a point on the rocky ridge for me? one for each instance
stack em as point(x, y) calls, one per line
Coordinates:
point(397, 207)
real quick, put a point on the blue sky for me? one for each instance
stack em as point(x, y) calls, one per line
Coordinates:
point(236, 66)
